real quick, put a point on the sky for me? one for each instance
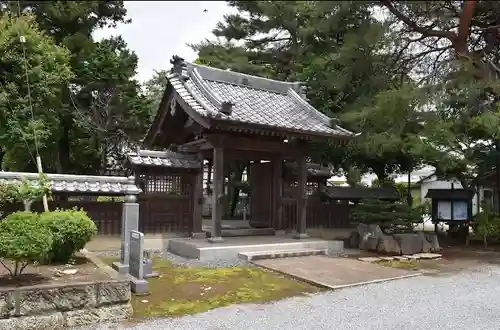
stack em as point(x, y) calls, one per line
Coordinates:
point(160, 29)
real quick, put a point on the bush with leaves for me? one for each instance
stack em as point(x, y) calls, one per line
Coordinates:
point(23, 241)
point(24, 192)
point(486, 223)
point(71, 229)
point(390, 216)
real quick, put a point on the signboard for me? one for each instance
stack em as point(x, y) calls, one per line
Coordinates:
point(459, 210)
point(136, 257)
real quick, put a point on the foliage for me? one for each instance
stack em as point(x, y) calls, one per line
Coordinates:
point(390, 216)
point(71, 229)
point(11, 193)
point(455, 65)
point(336, 49)
point(486, 223)
point(23, 240)
point(47, 66)
point(99, 109)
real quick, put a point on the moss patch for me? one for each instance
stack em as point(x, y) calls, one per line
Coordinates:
point(189, 290)
point(402, 264)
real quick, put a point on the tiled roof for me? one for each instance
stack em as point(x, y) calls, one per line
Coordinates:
point(164, 158)
point(252, 99)
point(81, 184)
point(450, 194)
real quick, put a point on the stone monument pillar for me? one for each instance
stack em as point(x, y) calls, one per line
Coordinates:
point(130, 221)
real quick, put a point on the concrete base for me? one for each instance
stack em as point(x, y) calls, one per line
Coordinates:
point(238, 232)
point(152, 275)
point(230, 247)
point(120, 268)
point(301, 236)
point(199, 235)
point(215, 239)
point(138, 286)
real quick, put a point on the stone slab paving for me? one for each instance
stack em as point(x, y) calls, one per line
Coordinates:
point(334, 273)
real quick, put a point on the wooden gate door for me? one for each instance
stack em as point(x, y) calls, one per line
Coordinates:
point(261, 185)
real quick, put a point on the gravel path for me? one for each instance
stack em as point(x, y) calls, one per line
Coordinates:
point(469, 300)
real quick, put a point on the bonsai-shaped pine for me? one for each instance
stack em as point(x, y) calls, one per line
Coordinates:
point(23, 241)
point(392, 217)
point(486, 223)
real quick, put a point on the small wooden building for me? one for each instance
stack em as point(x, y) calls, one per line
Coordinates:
point(226, 116)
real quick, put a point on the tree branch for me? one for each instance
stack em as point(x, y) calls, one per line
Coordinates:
point(414, 26)
point(460, 40)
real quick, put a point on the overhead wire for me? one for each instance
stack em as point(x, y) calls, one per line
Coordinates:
point(22, 40)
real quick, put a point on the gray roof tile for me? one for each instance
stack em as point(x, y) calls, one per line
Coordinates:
point(164, 158)
point(255, 100)
point(82, 184)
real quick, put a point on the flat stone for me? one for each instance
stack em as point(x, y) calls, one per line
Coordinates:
point(400, 258)
point(70, 271)
point(387, 258)
point(429, 255)
point(369, 259)
point(412, 257)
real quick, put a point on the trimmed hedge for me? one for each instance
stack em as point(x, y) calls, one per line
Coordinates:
point(71, 230)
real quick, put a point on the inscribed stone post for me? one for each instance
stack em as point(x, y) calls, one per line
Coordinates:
point(136, 262)
point(130, 221)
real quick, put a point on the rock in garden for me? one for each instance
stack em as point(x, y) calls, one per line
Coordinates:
point(409, 243)
point(387, 244)
point(426, 246)
point(432, 238)
point(354, 239)
point(368, 236)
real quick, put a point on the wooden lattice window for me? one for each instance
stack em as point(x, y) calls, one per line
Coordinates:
point(168, 184)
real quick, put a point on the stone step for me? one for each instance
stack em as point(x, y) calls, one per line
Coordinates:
point(259, 255)
point(236, 232)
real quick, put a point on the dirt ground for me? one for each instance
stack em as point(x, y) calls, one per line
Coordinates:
point(454, 259)
point(86, 271)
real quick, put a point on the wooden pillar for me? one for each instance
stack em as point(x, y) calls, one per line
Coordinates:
point(301, 198)
point(277, 193)
point(198, 202)
point(217, 195)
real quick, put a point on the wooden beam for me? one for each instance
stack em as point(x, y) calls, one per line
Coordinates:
point(259, 145)
point(277, 193)
point(198, 203)
point(195, 146)
point(217, 195)
point(301, 198)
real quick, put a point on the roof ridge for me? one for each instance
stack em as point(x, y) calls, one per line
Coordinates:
point(313, 111)
point(244, 79)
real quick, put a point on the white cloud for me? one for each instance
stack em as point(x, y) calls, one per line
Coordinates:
point(160, 29)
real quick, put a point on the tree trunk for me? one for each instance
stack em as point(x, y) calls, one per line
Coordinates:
point(497, 170)
point(485, 241)
point(64, 165)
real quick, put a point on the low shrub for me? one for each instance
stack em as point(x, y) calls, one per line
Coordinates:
point(23, 241)
point(71, 229)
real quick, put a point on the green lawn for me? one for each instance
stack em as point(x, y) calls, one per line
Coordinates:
point(189, 290)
